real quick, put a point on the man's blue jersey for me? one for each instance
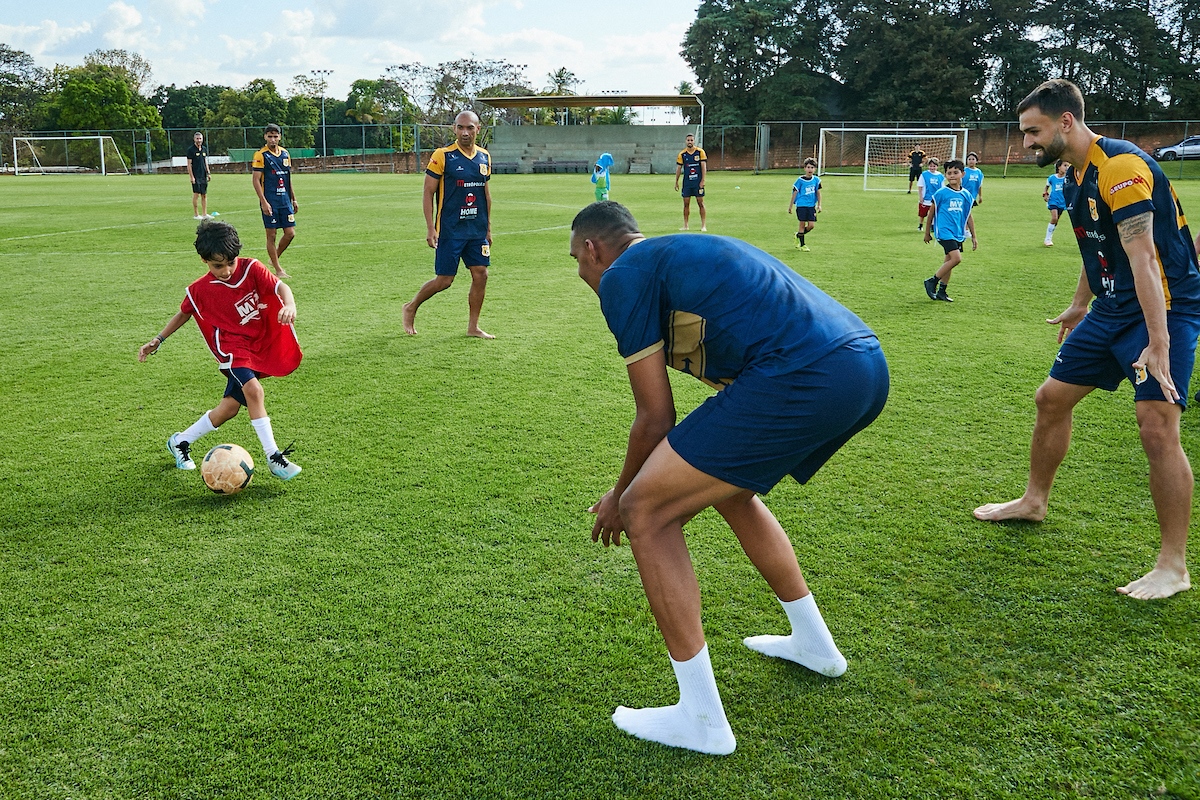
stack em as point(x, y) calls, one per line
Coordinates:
point(933, 182)
point(952, 207)
point(691, 165)
point(719, 307)
point(1056, 198)
point(972, 181)
point(277, 175)
point(462, 211)
point(1119, 182)
point(806, 191)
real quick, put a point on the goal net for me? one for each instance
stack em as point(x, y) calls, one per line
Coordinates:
point(42, 155)
point(881, 155)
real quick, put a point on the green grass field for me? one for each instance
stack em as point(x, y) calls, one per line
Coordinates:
point(422, 613)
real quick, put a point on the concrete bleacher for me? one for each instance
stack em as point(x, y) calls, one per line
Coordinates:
point(543, 148)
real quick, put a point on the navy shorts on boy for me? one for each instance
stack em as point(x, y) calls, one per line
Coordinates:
point(806, 213)
point(237, 378)
point(1101, 351)
point(799, 373)
point(949, 245)
point(281, 216)
point(472, 252)
point(200, 187)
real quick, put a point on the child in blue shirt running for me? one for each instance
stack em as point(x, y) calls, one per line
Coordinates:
point(949, 219)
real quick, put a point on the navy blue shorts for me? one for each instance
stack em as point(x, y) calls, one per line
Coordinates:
point(806, 213)
point(200, 187)
point(692, 190)
point(473, 252)
point(914, 173)
point(281, 216)
point(1101, 352)
point(763, 427)
point(238, 377)
point(949, 245)
point(1056, 207)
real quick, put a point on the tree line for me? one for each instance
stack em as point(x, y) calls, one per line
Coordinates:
point(941, 59)
point(112, 90)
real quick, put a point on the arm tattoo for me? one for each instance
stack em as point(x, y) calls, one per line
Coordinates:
point(1135, 226)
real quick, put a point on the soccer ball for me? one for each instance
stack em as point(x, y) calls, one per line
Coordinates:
point(227, 469)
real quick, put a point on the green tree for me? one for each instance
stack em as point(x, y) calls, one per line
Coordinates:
point(131, 66)
point(620, 115)
point(186, 106)
point(22, 87)
point(252, 106)
point(96, 97)
point(441, 92)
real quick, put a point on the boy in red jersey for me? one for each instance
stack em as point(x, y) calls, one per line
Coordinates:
point(245, 315)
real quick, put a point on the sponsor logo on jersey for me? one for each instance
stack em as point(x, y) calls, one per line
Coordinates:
point(1136, 179)
point(248, 307)
point(469, 199)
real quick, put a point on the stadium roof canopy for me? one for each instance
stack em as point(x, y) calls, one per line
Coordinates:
point(594, 101)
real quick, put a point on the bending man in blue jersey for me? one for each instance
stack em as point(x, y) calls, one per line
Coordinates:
point(1141, 277)
point(798, 375)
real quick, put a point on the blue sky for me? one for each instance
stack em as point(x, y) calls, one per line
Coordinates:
point(230, 42)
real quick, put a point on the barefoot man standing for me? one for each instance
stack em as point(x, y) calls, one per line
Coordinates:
point(460, 228)
point(1141, 269)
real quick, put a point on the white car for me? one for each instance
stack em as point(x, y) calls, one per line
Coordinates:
point(1188, 148)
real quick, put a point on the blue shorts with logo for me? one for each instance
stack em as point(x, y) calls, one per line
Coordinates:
point(237, 378)
point(1101, 352)
point(473, 252)
point(692, 190)
point(282, 214)
point(762, 427)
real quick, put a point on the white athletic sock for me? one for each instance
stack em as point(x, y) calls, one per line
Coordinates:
point(696, 722)
point(810, 645)
point(199, 428)
point(1050, 231)
point(262, 426)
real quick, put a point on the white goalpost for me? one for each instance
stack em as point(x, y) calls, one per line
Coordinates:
point(43, 155)
point(881, 155)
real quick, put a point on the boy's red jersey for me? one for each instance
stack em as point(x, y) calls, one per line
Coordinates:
point(239, 319)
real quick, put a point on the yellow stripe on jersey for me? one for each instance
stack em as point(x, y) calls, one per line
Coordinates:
point(1124, 180)
point(645, 352)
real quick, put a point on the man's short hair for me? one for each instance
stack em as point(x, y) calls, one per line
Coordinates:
point(273, 128)
point(954, 163)
point(810, 160)
point(605, 221)
point(197, 133)
point(217, 239)
point(1054, 98)
point(689, 136)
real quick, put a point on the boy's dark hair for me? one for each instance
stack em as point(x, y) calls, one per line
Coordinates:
point(604, 221)
point(273, 128)
point(973, 153)
point(932, 160)
point(217, 239)
point(1054, 98)
point(810, 160)
point(1058, 164)
point(954, 163)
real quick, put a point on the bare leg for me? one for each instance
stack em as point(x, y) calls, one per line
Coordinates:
point(288, 235)
point(479, 276)
point(703, 213)
point(687, 210)
point(953, 259)
point(226, 410)
point(766, 544)
point(272, 254)
point(1171, 487)
point(204, 204)
point(439, 283)
point(1051, 440)
point(195, 200)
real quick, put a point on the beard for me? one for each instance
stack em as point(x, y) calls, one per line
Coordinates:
point(1052, 152)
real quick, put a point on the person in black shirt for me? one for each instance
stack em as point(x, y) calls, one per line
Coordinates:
point(197, 165)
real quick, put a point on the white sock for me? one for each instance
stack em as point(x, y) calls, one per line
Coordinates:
point(1050, 231)
point(696, 722)
point(810, 645)
point(262, 426)
point(199, 428)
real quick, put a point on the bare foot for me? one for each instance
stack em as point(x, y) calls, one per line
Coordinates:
point(1157, 584)
point(282, 274)
point(479, 333)
point(684, 228)
point(410, 319)
point(1020, 508)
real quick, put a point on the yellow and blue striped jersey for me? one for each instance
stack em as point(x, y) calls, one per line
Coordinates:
point(462, 211)
point(277, 173)
point(690, 161)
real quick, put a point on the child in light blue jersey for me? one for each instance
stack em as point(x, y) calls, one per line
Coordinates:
point(806, 199)
point(973, 179)
point(949, 220)
point(1055, 200)
point(930, 181)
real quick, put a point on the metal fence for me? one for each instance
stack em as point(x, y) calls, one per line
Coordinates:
point(729, 147)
